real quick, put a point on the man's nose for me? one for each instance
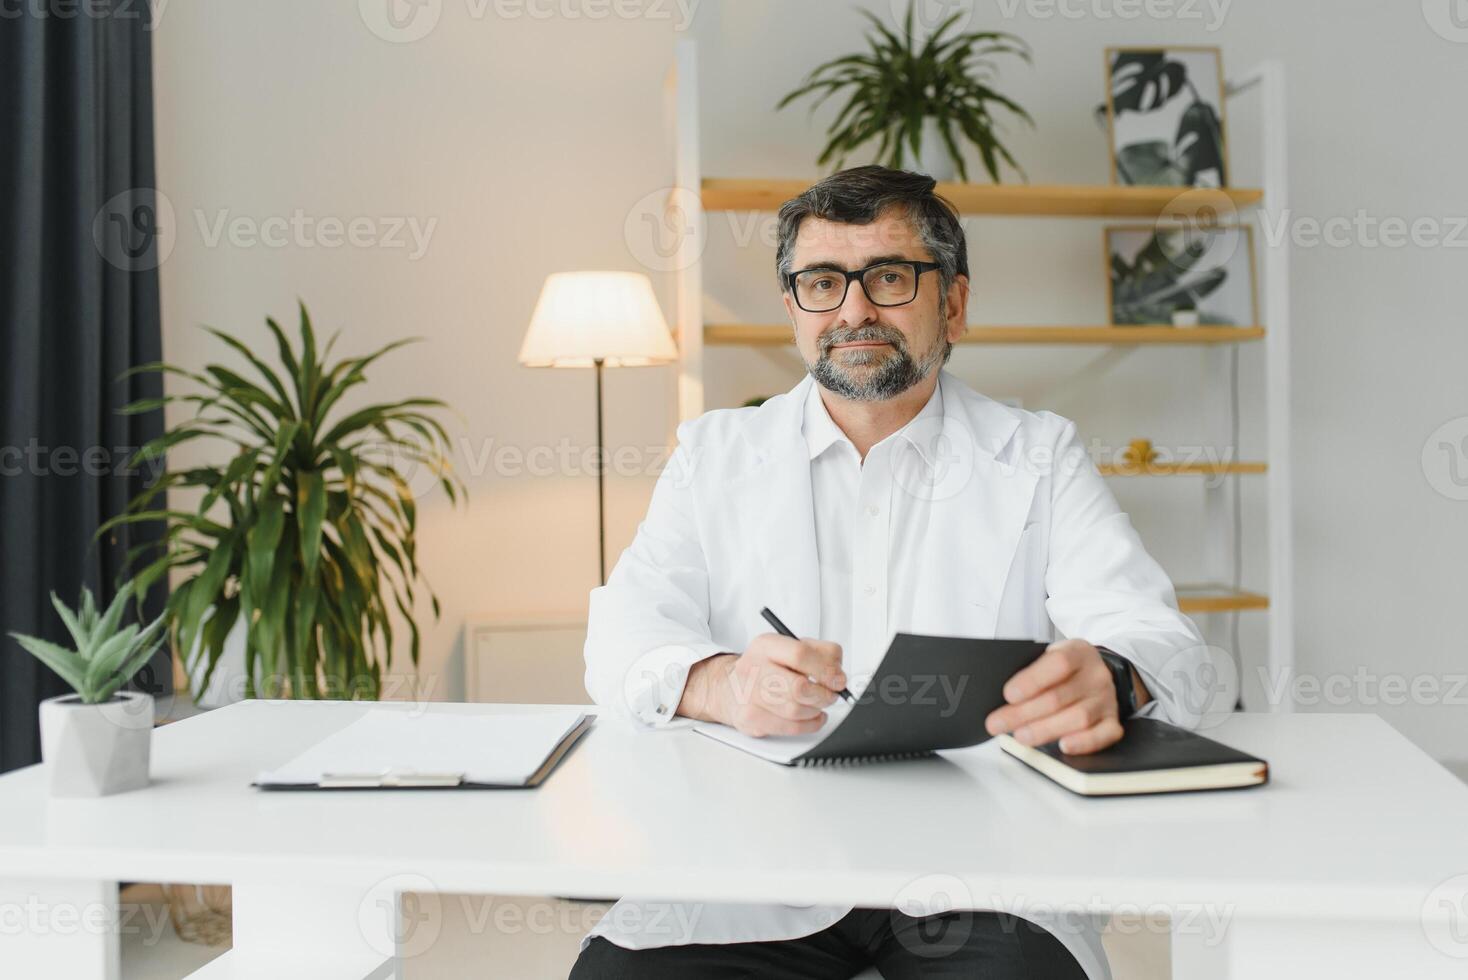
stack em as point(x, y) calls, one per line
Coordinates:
point(856, 310)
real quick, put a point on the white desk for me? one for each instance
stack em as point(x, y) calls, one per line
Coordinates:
point(1337, 868)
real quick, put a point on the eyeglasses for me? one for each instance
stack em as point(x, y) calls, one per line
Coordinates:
point(886, 284)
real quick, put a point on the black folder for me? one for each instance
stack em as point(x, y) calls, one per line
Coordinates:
point(928, 693)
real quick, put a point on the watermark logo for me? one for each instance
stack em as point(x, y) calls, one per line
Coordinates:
point(1362, 688)
point(150, 13)
point(1201, 229)
point(1447, 18)
point(401, 916)
point(1208, 14)
point(944, 904)
point(34, 916)
point(1362, 229)
point(935, 458)
point(300, 229)
point(400, 21)
point(1445, 459)
point(135, 231)
point(929, 15)
point(1445, 917)
point(1206, 681)
point(406, 21)
point(666, 230)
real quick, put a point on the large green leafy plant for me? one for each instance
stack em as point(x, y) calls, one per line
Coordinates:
point(307, 529)
point(896, 85)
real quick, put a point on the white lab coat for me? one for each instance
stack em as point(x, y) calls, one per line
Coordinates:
point(1035, 546)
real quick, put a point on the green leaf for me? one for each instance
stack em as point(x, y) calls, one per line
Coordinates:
point(261, 541)
point(310, 374)
point(205, 591)
point(372, 415)
point(310, 512)
point(271, 378)
point(234, 473)
point(112, 618)
point(213, 634)
point(80, 635)
point(128, 670)
point(304, 641)
point(109, 656)
point(66, 663)
point(351, 373)
point(248, 396)
point(292, 368)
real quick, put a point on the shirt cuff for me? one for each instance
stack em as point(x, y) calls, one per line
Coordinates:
point(654, 685)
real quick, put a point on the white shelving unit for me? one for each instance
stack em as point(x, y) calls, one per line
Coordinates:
point(693, 195)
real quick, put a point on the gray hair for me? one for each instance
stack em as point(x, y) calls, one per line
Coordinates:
point(860, 196)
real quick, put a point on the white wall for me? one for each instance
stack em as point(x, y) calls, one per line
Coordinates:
point(530, 138)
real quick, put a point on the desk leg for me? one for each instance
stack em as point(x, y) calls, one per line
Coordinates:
point(59, 928)
point(1311, 949)
point(294, 930)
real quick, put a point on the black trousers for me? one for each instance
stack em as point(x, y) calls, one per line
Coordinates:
point(968, 945)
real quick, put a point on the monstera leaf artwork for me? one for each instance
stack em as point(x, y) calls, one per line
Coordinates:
point(1156, 273)
point(1165, 125)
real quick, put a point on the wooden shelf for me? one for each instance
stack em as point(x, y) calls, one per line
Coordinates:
point(1042, 200)
point(1208, 600)
point(1182, 469)
point(760, 334)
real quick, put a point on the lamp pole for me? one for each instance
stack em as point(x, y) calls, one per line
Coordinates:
point(601, 502)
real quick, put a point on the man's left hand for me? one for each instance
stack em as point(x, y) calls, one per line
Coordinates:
point(1066, 694)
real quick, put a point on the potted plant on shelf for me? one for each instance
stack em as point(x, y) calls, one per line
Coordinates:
point(306, 531)
point(920, 102)
point(97, 741)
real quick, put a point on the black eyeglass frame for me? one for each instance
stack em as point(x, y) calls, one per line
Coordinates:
point(857, 275)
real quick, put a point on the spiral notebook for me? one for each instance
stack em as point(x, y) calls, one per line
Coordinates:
point(928, 693)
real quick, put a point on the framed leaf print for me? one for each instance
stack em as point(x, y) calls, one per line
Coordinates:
point(1165, 116)
point(1156, 272)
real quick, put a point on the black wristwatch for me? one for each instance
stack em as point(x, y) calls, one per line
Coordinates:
point(1121, 676)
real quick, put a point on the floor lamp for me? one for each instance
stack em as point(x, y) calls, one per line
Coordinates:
point(596, 320)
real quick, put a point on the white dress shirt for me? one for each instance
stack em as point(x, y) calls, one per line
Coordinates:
point(859, 513)
point(974, 519)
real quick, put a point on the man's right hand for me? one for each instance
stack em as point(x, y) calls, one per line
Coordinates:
point(778, 687)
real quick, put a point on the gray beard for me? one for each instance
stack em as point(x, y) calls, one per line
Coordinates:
point(897, 372)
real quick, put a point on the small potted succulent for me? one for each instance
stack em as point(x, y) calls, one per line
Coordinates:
point(96, 742)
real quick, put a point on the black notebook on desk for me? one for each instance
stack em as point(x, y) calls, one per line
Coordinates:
point(1151, 757)
point(928, 693)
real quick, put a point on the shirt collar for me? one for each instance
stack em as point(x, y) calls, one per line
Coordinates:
point(821, 431)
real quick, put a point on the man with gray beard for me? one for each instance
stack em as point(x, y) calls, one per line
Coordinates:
point(881, 494)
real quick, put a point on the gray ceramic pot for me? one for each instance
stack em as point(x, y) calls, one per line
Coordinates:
point(97, 749)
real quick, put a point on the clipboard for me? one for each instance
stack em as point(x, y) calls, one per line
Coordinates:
point(503, 750)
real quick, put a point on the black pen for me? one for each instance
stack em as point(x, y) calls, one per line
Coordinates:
point(784, 630)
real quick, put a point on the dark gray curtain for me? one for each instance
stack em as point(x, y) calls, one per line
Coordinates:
point(80, 244)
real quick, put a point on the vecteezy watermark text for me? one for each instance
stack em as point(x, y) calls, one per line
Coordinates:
point(302, 230)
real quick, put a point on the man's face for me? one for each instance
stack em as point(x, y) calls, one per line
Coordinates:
point(860, 350)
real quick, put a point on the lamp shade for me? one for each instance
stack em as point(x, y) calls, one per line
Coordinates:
point(583, 316)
